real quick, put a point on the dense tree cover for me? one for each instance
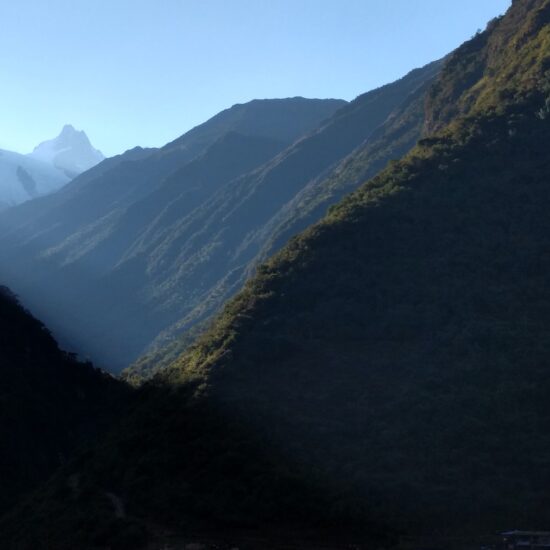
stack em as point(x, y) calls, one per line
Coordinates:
point(387, 369)
point(49, 402)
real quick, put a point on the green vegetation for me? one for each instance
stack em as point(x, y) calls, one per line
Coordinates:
point(496, 69)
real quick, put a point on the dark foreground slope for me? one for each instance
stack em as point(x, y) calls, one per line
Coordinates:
point(49, 403)
point(388, 367)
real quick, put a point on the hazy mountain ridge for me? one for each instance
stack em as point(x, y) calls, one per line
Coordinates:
point(137, 264)
point(63, 244)
point(284, 120)
point(414, 394)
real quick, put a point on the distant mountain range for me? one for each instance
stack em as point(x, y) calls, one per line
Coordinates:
point(49, 167)
point(92, 243)
point(149, 249)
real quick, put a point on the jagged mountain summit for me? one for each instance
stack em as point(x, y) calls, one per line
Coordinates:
point(47, 169)
point(70, 152)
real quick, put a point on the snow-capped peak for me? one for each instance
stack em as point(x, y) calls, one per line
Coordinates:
point(70, 152)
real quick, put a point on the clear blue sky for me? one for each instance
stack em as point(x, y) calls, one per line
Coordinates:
point(141, 72)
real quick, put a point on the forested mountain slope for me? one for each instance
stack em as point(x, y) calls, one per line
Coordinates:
point(389, 366)
point(256, 215)
point(190, 260)
point(77, 258)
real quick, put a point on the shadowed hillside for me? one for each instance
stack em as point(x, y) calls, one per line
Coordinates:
point(49, 402)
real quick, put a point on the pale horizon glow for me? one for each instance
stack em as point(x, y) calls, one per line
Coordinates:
point(143, 72)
